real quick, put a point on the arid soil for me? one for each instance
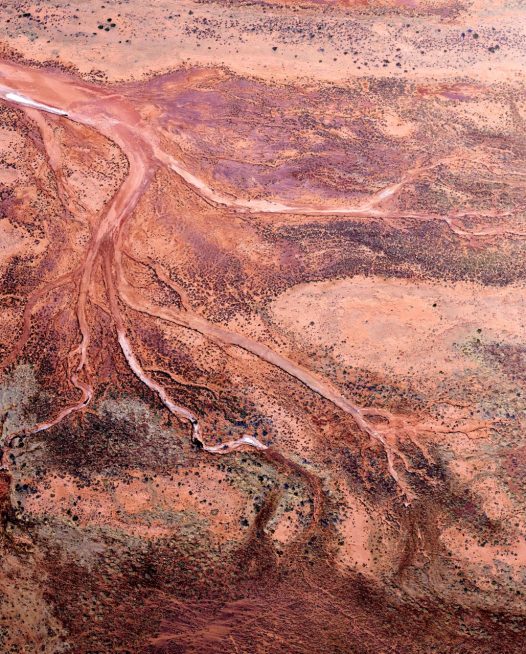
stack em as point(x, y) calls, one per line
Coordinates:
point(262, 328)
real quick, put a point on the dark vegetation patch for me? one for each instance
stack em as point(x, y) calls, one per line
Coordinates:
point(103, 444)
point(426, 250)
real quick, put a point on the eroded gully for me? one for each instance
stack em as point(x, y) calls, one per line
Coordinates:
point(114, 117)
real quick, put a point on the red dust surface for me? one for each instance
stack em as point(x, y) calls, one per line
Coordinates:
point(262, 339)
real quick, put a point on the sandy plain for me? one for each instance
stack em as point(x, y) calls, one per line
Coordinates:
point(262, 328)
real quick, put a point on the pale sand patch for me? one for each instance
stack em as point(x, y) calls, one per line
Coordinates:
point(400, 327)
point(150, 38)
point(146, 508)
point(470, 552)
point(369, 545)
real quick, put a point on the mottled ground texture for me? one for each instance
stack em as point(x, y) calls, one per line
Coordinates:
point(262, 327)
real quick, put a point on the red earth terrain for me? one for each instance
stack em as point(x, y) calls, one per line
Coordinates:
point(262, 338)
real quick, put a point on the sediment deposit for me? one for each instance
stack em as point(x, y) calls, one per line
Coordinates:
point(262, 339)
